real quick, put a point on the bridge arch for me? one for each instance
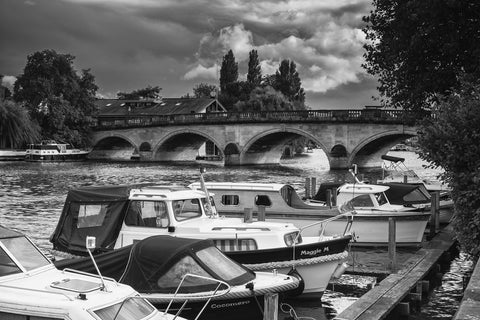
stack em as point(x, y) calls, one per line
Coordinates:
point(369, 151)
point(118, 147)
point(267, 146)
point(183, 145)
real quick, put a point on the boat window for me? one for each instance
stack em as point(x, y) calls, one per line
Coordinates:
point(212, 205)
point(187, 264)
point(381, 198)
point(223, 266)
point(25, 253)
point(152, 214)
point(91, 215)
point(235, 244)
point(230, 200)
point(263, 200)
point(7, 266)
point(186, 209)
point(15, 316)
point(362, 201)
point(134, 308)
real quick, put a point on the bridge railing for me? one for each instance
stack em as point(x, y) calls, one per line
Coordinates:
point(358, 115)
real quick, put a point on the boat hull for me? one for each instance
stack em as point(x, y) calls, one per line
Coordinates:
point(60, 157)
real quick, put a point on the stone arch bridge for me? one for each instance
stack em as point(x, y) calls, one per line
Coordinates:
point(251, 138)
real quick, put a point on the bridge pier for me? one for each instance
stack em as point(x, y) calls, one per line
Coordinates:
point(339, 163)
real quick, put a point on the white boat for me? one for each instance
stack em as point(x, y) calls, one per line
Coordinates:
point(281, 203)
point(50, 150)
point(32, 288)
point(189, 271)
point(121, 215)
point(394, 170)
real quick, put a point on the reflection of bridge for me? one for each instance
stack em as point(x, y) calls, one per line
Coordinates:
point(244, 138)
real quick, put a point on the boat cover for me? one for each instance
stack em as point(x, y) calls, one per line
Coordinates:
point(407, 194)
point(142, 264)
point(322, 190)
point(70, 234)
point(392, 158)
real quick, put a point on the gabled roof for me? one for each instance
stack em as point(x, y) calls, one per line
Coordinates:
point(165, 106)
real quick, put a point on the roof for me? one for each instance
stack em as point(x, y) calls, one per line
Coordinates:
point(361, 188)
point(165, 106)
point(240, 186)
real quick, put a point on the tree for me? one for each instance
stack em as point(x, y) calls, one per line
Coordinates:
point(141, 94)
point(204, 90)
point(264, 99)
point(228, 71)
point(56, 97)
point(417, 48)
point(16, 128)
point(450, 140)
point(254, 75)
point(288, 82)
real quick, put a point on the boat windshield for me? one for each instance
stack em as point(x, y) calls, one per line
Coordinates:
point(23, 251)
point(133, 308)
point(225, 268)
point(381, 198)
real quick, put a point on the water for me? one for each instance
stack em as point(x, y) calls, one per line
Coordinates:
point(32, 197)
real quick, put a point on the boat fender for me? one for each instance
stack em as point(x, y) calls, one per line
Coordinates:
point(171, 229)
point(301, 285)
point(249, 286)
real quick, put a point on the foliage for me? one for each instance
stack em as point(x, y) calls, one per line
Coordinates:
point(450, 140)
point(417, 48)
point(141, 94)
point(288, 82)
point(264, 99)
point(228, 71)
point(204, 90)
point(16, 128)
point(254, 74)
point(59, 99)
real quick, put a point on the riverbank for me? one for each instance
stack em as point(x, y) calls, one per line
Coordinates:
point(12, 155)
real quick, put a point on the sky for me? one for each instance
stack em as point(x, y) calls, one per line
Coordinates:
point(176, 44)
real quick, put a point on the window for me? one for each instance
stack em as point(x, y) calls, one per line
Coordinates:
point(223, 266)
point(7, 266)
point(26, 253)
point(235, 244)
point(147, 214)
point(187, 264)
point(263, 200)
point(362, 201)
point(131, 308)
point(381, 198)
point(14, 316)
point(91, 215)
point(186, 209)
point(230, 200)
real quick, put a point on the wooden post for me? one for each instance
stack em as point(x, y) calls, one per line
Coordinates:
point(329, 198)
point(434, 218)
point(248, 214)
point(425, 286)
point(261, 213)
point(314, 187)
point(437, 210)
point(270, 310)
point(334, 197)
point(405, 179)
point(392, 246)
point(308, 185)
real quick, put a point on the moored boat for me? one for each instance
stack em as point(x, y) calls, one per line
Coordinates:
point(50, 150)
point(121, 215)
point(206, 279)
point(32, 288)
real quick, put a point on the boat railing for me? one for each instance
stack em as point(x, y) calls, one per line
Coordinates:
point(38, 290)
point(349, 215)
point(215, 293)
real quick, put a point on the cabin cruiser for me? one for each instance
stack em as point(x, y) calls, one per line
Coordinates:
point(281, 203)
point(395, 171)
point(206, 279)
point(122, 215)
point(50, 150)
point(32, 288)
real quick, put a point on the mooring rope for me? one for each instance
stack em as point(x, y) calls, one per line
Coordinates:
point(296, 263)
point(292, 312)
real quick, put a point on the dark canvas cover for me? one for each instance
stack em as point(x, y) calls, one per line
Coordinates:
point(407, 194)
point(69, 237)
point(321, 194)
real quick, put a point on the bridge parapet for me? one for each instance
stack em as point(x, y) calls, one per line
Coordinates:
point(307, 116)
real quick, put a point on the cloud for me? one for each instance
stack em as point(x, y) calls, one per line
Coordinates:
point(8, 81)
point(202, 72)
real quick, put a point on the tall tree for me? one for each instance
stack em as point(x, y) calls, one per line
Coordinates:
point(288, 82)
point(141, 94)
point(265, 99)
point(58, 98)
point(254, 74)
point(228, 71)
point(16, 128)
point(417, 48)
point(204, 90)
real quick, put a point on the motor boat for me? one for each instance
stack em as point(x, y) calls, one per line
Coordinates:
point(208, 282)
point(119, 216)
point(32, 288)
point(50, 150)
point(394, 171)
point(281, 203)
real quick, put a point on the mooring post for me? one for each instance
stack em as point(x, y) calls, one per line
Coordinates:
point(334, 197)
point(270, 310)
point(308, 185)
point(261, 213)
point(392, 245)
point(329, 198)
point(434, 218)
point(313, 190)
point(248, 215)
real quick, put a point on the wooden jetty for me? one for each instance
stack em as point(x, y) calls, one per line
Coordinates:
point(400, 291)
point(470, 306)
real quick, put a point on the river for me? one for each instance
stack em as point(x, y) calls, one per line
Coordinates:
point(32, 197)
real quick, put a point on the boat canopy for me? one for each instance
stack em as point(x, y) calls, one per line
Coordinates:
point(92, 211)
point(407, 194)
point(392, 158)
point(322, 190)
point(158, 263)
